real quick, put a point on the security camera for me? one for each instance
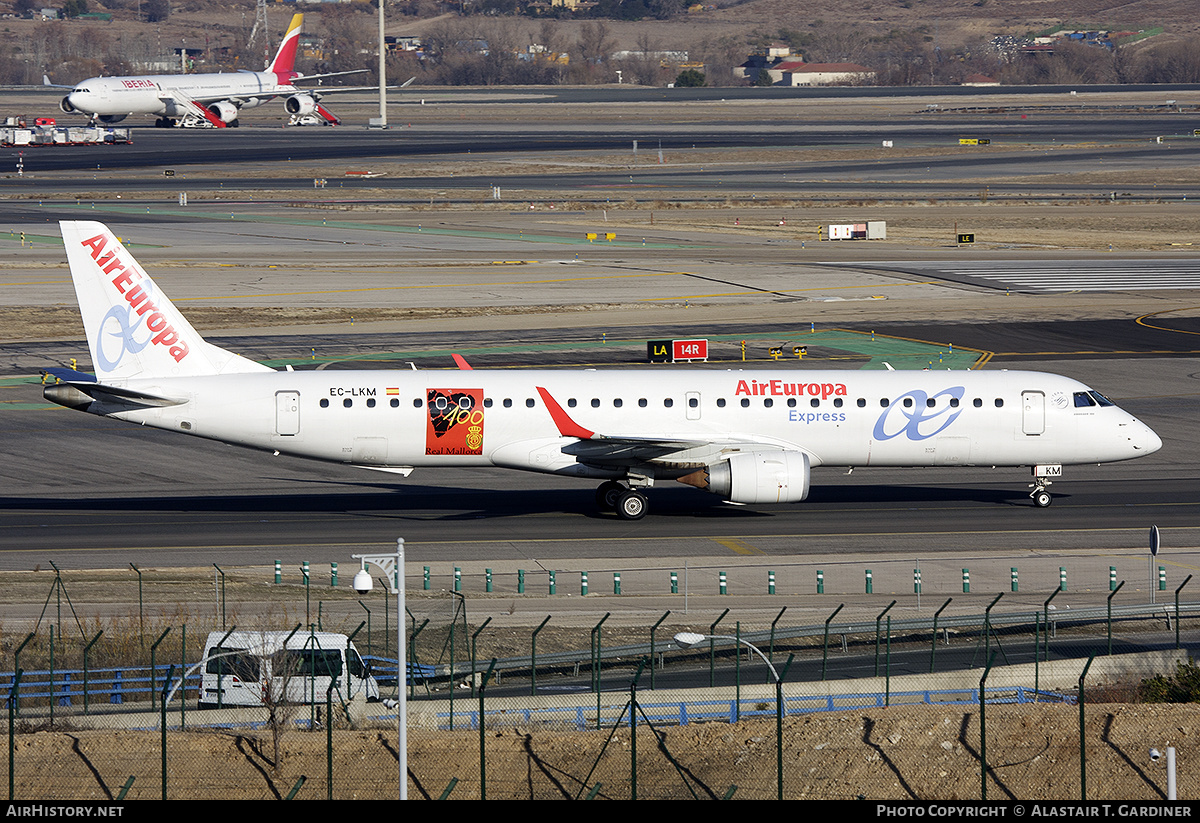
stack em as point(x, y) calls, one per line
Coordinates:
point(362, 581)
point(1154, 755)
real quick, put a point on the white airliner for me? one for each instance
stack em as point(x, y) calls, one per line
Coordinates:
point(215, 99)
point(747, 436)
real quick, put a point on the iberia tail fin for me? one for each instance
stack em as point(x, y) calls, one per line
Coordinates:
point(285, 58)
point(133, 330)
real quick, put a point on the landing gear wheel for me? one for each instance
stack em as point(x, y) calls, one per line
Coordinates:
point(1042, 499)
point(608, 494)
point(631, 505)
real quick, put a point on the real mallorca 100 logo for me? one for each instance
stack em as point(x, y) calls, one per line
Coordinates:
point(455, 421)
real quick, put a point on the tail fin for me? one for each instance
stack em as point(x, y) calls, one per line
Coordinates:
point(132, 329)
point(285, 58)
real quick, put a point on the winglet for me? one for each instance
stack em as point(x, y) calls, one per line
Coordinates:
point(566, 426)
point(463, 365)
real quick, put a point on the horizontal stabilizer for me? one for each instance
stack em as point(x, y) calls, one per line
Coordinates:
point(69, 375)
point(80, 394)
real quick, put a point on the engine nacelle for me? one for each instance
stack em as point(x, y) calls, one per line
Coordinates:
point(112, 118)
point(65, 105)
point(756, 477)
point(300, 104)
point(225, 111)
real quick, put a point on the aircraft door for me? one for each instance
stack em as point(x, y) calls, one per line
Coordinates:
point(692, 400)
point(1033, 412)
point(287, 412)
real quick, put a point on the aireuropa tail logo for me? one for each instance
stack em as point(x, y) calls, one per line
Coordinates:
point(123, 322)
point(920, 418)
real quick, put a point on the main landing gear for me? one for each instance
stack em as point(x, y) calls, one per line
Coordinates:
point(629, 504)
point(1041, 482)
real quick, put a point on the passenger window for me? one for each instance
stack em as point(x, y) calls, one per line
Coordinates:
point(954, 402)
point(908, 402)
point(815, 403)
point(791, 402)
point(417, 403)
point(529, 404)
point(618, 402)
point(720, 402)
point(837, 402)
point(883, 402)
point(347, 402)
point(641, 402)
point(745, 402)
point(977, 402)
point(768, 402)
point(572, 403)
point(324, 402)
point(395, 403)
point(668, 403)
point(508, 402)
point(862, 402)
point(487, 402)
point(930, 403)
point(370, 402)
point(999, 402)
point(693, 402)
point(595, 402)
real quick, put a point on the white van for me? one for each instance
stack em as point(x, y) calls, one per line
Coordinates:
point(245, 667)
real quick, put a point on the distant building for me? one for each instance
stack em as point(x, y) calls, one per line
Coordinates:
point(771, 59)
point(979, 80)
point(826, 74)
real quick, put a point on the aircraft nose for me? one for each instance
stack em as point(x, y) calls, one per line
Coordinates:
point(1149, 443)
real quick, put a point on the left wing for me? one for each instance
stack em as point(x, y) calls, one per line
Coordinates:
point(605, 450)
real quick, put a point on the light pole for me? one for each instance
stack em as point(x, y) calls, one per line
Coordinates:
point(393, 569)
point(382, 72)
point(686, 640)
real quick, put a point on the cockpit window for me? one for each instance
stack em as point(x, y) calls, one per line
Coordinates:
point(1101, 399)
point(1083, 400)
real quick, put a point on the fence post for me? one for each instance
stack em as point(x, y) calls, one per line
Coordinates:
point(983, 769)
point(1082, 739)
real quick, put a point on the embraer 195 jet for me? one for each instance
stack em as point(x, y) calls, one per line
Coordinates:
point(749, 437)
point(215, 98)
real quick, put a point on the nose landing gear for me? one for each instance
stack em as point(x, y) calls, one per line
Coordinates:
point(1041, 482)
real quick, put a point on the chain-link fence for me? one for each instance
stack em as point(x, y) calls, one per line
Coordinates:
point(299, 699)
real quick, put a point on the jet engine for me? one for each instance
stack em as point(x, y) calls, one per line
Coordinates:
point(225, 111)
point(300, 104)
point(756, 477)
point(65, 105)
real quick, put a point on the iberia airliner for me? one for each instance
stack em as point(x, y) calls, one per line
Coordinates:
point(212, 99)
